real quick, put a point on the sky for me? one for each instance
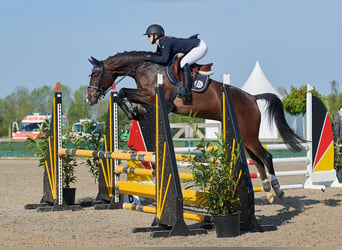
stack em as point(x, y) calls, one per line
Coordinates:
point(296, 42)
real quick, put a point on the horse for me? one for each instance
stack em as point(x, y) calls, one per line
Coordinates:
point(206, 105)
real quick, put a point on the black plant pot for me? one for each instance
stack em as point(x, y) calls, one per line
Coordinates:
point(339, 176)
point(227, 225)
point(69, 195)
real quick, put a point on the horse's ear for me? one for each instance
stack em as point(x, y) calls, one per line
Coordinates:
point(95, 61)
point(91, 61)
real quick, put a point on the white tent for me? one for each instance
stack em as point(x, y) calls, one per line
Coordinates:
point(258, 83)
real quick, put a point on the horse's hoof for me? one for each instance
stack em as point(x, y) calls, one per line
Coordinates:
point(276, 187)
point(281, 194)
point(269, 197)
point(266, 185)
point(140, 109)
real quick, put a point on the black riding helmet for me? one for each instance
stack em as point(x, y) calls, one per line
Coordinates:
point(155, 29)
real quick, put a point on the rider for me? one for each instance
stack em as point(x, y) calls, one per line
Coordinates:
point(193, 48)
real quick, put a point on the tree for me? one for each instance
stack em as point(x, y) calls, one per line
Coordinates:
point(295, 101)
point(333, 100)
point(41, 99)
point(14, 108)
point(23, 103)
point(67, 99)
point(100, 110)
point(79, 108)
point(8, 114)
point(1, 116)
point(124, 122)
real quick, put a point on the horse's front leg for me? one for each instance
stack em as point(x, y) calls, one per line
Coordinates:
point(140, 96)
point(129, 96)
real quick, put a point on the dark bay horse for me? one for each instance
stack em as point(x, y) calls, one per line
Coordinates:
point(206, 105)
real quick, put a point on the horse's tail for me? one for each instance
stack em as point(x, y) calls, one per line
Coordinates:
point(275, 110)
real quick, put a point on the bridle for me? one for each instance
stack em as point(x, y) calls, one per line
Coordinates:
point(100, 93)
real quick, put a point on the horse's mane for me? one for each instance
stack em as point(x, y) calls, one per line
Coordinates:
point(131, 54)
point(129, 57)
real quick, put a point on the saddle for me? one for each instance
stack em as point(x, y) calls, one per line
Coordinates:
point(195, 68)
point(200, 75)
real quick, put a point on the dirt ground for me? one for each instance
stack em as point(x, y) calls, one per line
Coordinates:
point(306, 218)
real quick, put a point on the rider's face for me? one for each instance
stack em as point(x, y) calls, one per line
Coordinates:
point(340, 111)
point(150, 38)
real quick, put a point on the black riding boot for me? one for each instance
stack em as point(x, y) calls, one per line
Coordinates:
point(187, 82)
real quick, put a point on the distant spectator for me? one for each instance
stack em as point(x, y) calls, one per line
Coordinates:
point(338, 127)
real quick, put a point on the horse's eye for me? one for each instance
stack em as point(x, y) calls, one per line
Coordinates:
point(93, 74)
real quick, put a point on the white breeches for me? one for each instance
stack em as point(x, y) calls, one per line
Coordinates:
point(195, 54)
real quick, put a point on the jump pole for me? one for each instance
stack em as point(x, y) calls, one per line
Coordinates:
point(150, 209)
point(169, 220)
point(321, 145)
point(52, 199)
point(107, 197)
point(245, 189)
point(320, 149)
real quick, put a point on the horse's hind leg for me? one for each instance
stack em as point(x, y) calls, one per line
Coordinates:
point(266, 158)
point(274, 181)
point(262, 172)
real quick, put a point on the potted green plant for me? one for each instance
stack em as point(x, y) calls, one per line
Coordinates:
point(39, 145)
point(92, 140)
point(69, 163)
point(215, 176)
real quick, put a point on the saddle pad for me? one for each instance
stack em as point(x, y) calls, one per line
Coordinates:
point(199, 84)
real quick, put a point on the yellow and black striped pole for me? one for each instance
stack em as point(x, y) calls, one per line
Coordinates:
point(152, 210)
point(169, 198)
point(231, 133)
point(169, 218)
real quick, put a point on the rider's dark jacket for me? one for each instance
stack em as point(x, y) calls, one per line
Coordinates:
point(170, 46)
point(338, 129)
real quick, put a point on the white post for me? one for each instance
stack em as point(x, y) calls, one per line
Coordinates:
point(116, 144)
point(226, 78)
point(309, 125)
point(60, 145)
point(308, 182)
point(159, 79)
